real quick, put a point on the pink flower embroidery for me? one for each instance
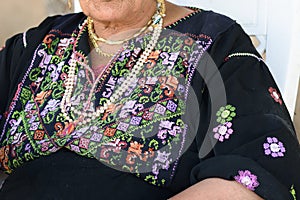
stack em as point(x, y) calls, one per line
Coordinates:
point(274, 147)
point(223, 131)
point(84, 143)
point(275, 95)
point(247, 179)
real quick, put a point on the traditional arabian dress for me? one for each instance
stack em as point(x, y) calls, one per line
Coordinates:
point(204, 105)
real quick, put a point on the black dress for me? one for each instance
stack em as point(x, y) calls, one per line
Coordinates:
point(205, 105)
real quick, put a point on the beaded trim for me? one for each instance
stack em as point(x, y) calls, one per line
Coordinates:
point(242, 54)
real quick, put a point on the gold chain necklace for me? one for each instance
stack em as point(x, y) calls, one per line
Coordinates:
point(93, 35)
point(93, 38)
point(99, 50)
point(160, 11)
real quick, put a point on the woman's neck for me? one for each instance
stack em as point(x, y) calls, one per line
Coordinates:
point(123, 26)
point(114, 25)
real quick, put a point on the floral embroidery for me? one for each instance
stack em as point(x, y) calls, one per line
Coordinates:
point(171, 106)
point(96, 137)
point(161, 161)
point(293, 192)
point(275, 95)
point(123, 126)
point(223, 131)
point(135, 120)
point(144, 134)
point(274, 147)
point(84, 143)
point(226, 114)
point(160, 109)
point(4, 158)
point(247, 179)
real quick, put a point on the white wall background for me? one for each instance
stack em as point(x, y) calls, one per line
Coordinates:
point(279, 21)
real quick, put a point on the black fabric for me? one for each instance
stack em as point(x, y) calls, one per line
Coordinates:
point(65, 175)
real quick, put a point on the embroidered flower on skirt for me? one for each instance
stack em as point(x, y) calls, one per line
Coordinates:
point(274, 147)
point(275, 95)
point(247, 179)
point(226, 114)
point(223, 131)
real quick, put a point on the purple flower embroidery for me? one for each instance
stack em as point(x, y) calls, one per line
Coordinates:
point(96, 137)
point(223, 131)
point(247, 179)
point(171, 106)
point(123, 126)
point(160, 109)
point(45, 146)
point(274, 147)
point(75, 148)
point(166, 124)
point(181, 88)
point(135, 120)
point(162, 134)
point(163, 158)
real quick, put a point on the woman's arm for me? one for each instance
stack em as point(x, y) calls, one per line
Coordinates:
point(216, 188)
point(252, 139)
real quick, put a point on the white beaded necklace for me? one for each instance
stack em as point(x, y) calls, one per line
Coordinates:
point(85, 116)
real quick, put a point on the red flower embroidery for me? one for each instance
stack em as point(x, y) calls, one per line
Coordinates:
point(84, 143)
point(39, 134)
point(275, 95)
point(109, 132)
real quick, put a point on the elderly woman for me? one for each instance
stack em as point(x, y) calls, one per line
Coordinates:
point(136, 99)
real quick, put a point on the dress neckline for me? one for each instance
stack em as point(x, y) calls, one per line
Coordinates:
point(184, 18)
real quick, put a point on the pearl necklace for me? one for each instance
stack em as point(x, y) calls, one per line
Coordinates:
point(87, 117)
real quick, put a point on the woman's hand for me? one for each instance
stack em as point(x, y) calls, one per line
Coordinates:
point(217, 189)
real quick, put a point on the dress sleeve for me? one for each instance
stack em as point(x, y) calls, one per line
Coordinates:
point(253, 140)
point(13, 59)
point(12, 49)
